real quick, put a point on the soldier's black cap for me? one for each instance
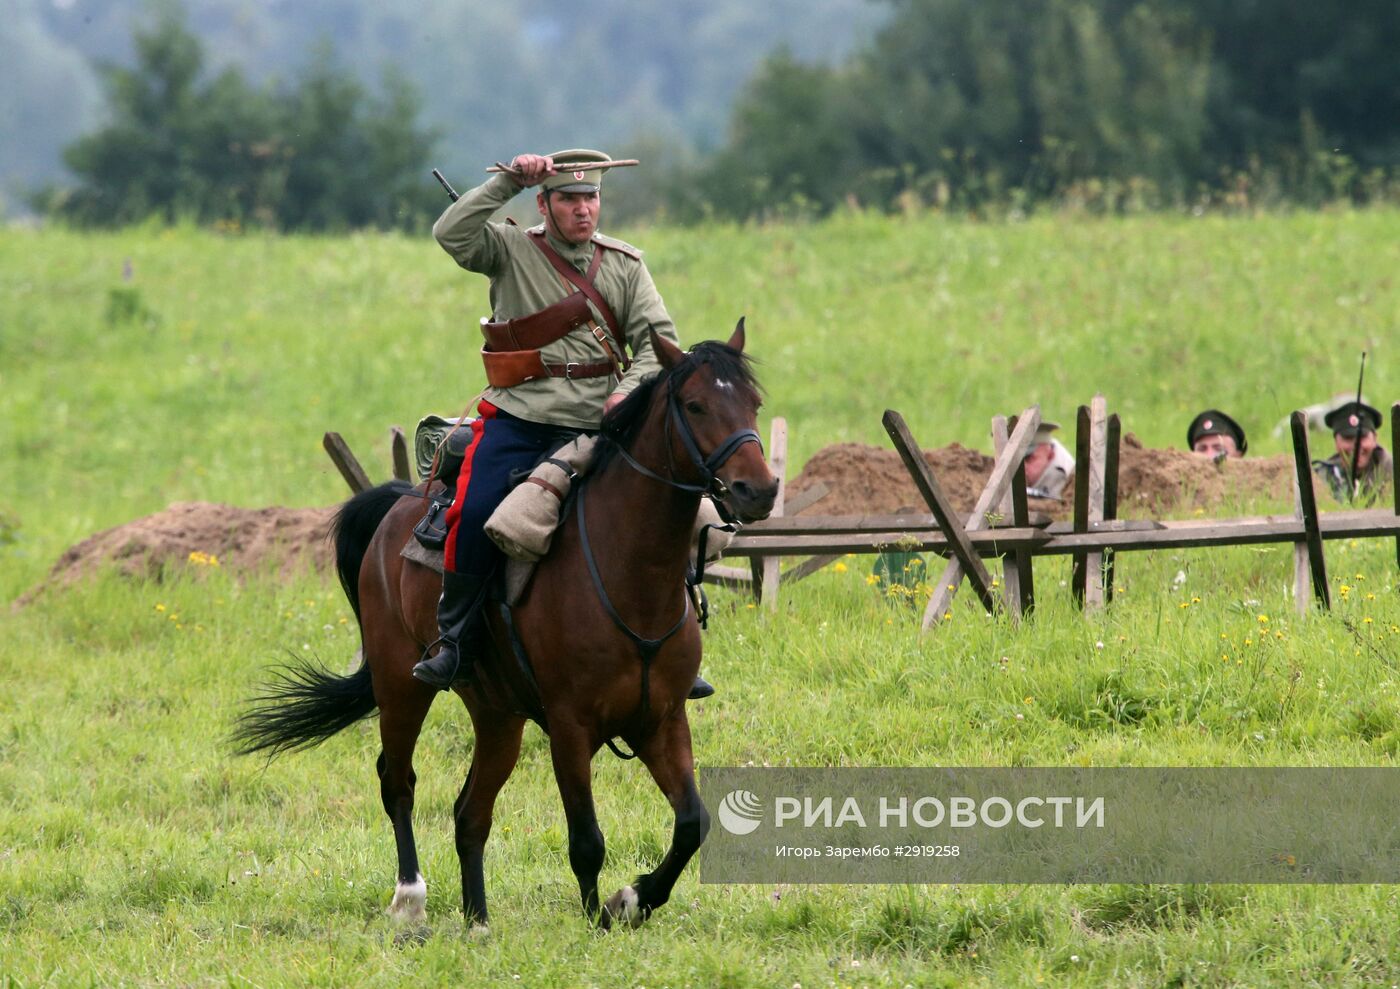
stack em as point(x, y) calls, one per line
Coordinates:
point(1213, 422)
point(1353, 419)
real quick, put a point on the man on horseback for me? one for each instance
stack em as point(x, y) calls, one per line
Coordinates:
point(567, 305)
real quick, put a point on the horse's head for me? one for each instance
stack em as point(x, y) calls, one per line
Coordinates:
point(714, 402)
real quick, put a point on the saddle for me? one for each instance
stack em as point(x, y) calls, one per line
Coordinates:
point(522, 525)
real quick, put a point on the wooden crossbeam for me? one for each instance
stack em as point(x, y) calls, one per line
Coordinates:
point(1004, 468)
point(1021, 516)
point(796, 525)
point(1059, 539)
point(346, 463)
point(911, 454)
point(1010, 572)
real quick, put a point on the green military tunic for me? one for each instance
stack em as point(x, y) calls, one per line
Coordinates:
point(523, 282)
point(1336, 472)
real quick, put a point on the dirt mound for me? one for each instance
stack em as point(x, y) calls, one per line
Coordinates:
point(1164, 481)
point(861, 480)
point(200, 534)
point(865, 480)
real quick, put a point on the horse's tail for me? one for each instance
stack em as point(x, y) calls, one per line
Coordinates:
point(354, 526)
point(306, 704)
point(303, 706)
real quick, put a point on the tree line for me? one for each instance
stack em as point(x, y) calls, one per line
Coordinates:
point(320, 154)
point(977, 106)
point(1118, 104)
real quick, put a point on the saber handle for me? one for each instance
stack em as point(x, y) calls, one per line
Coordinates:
point(445, 184)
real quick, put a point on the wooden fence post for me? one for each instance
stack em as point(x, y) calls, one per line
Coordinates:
point(1307, 503)
point(1078, 577)
point(767, 583)
point(398, 447)
point(1395, 465)
point(1017, 573)
point(346, 463)
point(1010, 573)
point(1300, 555)
point(1098, 445)
point(1110, 496)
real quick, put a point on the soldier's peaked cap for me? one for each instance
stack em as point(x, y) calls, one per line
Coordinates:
point(566, 180)
point(1213, 422)
point(1353, 419)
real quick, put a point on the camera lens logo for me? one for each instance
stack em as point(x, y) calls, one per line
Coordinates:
point(740, 812)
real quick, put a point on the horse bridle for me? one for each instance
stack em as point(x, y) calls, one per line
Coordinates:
point(710, 485)
point(707, 466)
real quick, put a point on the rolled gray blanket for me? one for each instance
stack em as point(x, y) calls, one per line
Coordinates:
point(431, 431)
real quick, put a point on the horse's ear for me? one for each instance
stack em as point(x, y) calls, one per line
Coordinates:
point(737, 340)
point(666, 352)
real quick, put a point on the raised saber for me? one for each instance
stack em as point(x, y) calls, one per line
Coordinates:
point(572, 166)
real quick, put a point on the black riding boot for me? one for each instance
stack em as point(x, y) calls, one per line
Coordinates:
point(459, 629)
point(700, 690)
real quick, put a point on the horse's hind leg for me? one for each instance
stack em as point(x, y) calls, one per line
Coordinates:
point(572, 752)
point(403, 704)
point(494, 755)
point(667, 754)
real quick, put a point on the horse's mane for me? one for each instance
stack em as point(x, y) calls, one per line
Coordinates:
point(623, 423)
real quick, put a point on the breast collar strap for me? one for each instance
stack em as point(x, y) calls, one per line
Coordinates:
point(646, 648)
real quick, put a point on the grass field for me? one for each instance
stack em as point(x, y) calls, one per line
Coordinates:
point(135, 850)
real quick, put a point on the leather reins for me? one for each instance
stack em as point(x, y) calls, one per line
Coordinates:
point(711, 485)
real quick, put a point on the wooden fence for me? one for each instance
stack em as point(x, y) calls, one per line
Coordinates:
point(1001, 525)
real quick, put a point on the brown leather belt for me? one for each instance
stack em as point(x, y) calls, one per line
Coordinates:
point(514, 367)
point(538, 329)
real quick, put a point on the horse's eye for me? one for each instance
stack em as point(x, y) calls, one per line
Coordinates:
point(695, 408)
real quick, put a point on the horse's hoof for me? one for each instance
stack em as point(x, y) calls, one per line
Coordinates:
point(409, 937)
point(478, 932)
point(625, 907)
point(410, 903)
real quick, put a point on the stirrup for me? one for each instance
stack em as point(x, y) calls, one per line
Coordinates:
point(434, 673)
point(699, 690)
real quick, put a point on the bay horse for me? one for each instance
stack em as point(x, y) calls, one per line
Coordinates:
point(604, 643)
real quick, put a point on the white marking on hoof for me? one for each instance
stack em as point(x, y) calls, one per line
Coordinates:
point(624, 906)
point(410, 902)
point(478, 932)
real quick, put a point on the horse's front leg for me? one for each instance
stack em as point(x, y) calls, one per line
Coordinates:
point(572, 751)
point(494, 755)
point(667, 754)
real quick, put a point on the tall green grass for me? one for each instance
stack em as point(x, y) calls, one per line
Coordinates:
point(135, 850)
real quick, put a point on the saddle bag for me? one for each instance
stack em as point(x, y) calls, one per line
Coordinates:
point(523, 524)
point(431, 530)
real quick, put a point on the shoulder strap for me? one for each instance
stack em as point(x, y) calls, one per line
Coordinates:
point(584, 285)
